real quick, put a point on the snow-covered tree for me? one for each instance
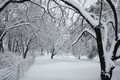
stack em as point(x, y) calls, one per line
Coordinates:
point(99, 26)
point(62, 44)
point(12, 18)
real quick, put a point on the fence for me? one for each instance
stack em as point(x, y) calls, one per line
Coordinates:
point(15, 72)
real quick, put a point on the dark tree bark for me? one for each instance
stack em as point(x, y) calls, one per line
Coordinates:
point(1, 40)
point(1, 46)
point(53, 52)
point(9, 42)
point(102, 57)
point(25, 53)
point(27, 48)
point(52, 56)
point(115, 50)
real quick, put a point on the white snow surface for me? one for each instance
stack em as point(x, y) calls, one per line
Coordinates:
point(61, 68)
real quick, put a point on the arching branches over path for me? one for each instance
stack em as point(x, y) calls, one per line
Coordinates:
point(97, 25)
point(82, 11)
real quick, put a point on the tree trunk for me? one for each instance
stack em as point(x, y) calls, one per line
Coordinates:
point(52, 52)
point(42, 52)
point(13, 46)
point(104, 75)
point(25, 54)
point(9, 42)
point(1, 46)
point(52, 56)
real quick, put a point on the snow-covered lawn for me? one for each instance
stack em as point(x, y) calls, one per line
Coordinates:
point(65, 69)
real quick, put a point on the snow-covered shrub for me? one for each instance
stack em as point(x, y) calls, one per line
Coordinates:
point(6, 60)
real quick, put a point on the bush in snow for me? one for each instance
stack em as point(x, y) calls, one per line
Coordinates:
point(6, 60)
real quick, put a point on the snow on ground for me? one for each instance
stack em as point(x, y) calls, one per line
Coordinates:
point(59, 68)
point(116, 73)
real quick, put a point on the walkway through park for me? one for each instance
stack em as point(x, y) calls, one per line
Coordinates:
point(45, 68)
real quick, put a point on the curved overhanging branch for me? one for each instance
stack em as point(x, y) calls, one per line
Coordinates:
point(93, 23)
point(117, 41)
point(16, 26)
point(4, 3)
point(85, 30)
point(49, 11)
point(115, 17)
point(116, 46)
point(111, 24)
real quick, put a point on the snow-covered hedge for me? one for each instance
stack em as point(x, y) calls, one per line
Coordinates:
point(6, 60)
point(15, 72)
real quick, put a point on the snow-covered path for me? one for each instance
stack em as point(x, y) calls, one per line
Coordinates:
point(62, 69)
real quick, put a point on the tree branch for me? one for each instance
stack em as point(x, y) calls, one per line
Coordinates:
point(85, 30)
point(115, 49)
point(16, 26)
point(40, 7)
point(4, 3)
point(115, 17)
point(100, 12)
point(112, 24)
point(93, 23)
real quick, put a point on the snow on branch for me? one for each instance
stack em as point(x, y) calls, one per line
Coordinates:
point(4, 3)
point(94, 23)
point(12, 27)
point(85, 30)
point(115, 58)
